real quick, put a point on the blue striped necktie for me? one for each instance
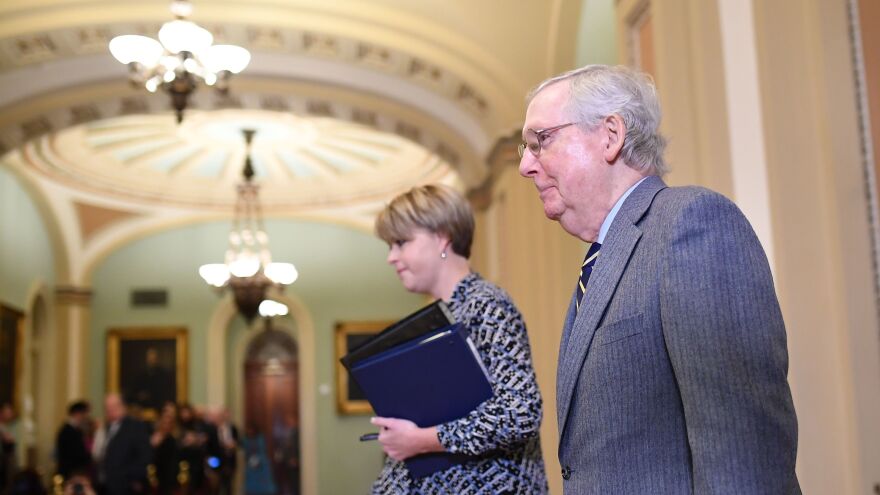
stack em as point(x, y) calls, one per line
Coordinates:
point(586, 270)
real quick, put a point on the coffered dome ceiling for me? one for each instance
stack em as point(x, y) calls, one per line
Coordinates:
point(300, 162)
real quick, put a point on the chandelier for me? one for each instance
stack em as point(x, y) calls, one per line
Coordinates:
point(249, 270)
point(183, 56)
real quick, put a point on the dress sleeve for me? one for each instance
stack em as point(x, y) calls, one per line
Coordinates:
point(513, 414)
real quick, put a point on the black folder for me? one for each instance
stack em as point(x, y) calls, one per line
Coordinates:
point(427, 319)
point(430, 380)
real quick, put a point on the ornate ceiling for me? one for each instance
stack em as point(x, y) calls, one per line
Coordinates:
point(300, 161)
point(353, 101)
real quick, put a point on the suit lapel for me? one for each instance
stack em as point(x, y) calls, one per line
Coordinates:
point(619, 245)
point(603, 282)
point(569, 322)
point(563, 344)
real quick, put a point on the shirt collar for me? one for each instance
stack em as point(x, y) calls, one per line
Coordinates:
point(603, 231)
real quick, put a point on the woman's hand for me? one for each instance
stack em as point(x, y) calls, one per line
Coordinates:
point(402, 439)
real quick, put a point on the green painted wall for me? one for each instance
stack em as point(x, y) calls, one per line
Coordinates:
point(25, 250)
point(597, 36)
point(343, 276)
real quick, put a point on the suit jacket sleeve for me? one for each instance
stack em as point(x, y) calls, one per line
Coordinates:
point(139, 453)
point(71, 450)
point(726, 339)
point(64, 445)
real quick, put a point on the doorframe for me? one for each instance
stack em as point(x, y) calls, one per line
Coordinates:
point(219, 374)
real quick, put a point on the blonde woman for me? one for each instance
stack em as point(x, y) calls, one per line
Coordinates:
point(429, 231)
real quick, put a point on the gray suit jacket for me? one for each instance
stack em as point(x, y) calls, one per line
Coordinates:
point(672, 378)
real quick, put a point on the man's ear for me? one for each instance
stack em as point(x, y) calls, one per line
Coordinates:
point(615, 133)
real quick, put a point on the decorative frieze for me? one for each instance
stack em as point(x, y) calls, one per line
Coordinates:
point(87, 40)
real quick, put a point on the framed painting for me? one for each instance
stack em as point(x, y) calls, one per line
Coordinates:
point(350, 398)
point(148, 367)
point(11, 355)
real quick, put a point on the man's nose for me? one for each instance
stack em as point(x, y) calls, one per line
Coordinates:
point(528, 164)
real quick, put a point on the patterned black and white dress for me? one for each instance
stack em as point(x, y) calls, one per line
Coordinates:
point(503, 431)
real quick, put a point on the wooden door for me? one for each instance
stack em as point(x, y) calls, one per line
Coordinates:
point(272, 404)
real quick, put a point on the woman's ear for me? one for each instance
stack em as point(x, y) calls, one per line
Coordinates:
point(444, 242)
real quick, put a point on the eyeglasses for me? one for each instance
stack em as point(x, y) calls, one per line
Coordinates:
point(537, 145)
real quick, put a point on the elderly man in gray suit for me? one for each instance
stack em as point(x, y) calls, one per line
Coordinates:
point(673, 361)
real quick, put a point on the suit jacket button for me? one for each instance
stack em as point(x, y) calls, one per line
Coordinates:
point(566, 472)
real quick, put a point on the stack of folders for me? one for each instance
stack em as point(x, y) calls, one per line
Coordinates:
point(434, 378)
point(425, 320)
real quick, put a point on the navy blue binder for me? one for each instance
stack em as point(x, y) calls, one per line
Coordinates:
point(424, 320)
point(429, 381)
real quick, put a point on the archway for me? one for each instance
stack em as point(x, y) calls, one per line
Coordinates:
point(271, 404)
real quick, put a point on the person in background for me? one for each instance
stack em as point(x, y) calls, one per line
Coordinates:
point(165, 455)
point(429, 231)
point(78, 485)
point(673, 361)
point(226, 449)
point(125, 451)
point(286, 445)
point(71, 451)
point(258, 478)
point(193, 445)
point(7, 445)
point(26, 482)
point(90, 428)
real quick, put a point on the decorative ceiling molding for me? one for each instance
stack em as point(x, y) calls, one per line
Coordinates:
point(38, 118)
point(394, 106)
point(303, 162)
point(478, 43)
point(15, 135)
point(45, 47)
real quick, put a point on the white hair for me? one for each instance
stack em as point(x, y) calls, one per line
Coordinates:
point(597, 91)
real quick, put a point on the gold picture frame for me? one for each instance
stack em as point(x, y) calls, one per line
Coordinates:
point(349, 335)
point(11, 356)
point(148, 366)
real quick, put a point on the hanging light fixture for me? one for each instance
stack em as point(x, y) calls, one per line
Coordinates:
point(249, 269)
point(184, 55)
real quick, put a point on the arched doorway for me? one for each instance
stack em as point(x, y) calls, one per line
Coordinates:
point(271, 404)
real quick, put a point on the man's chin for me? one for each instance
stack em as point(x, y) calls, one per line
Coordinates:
point(552, 213)
point(575, 228)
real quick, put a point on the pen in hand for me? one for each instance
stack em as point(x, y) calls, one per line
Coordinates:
point(369, 436)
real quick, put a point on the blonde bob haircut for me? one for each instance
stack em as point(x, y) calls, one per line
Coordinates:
point(436, 208)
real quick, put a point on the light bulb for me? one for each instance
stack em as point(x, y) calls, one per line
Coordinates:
point(281, 273)
point(269, 308)
point(230, 58)
point(133, 48)
point(185, 36)
point(246, 265)
point(152, 84)
point(215, 274)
